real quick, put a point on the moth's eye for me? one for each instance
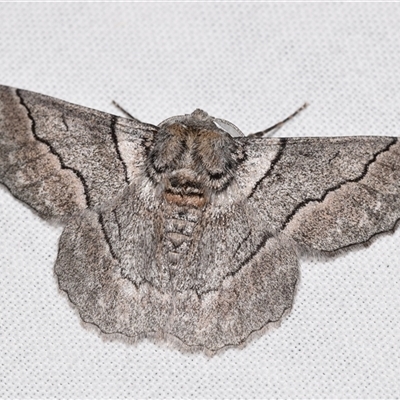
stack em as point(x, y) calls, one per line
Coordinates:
point(216, 176)
point(159, 165)
point(160, 168)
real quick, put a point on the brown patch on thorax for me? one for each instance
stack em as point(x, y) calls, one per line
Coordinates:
point(193, 200)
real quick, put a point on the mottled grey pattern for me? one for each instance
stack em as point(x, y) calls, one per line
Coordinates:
point(189, 231)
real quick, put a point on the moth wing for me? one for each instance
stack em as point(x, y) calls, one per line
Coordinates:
point(327, 193)
point(60, 158)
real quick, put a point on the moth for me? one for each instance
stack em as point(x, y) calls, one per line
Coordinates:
point(189, 231)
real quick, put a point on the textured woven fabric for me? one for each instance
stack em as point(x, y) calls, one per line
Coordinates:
point(252, 64)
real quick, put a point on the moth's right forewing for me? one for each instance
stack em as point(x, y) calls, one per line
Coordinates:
point(60, 158)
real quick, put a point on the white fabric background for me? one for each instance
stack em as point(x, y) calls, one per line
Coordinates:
point(252, 64)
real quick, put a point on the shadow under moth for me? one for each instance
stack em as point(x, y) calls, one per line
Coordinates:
point(189, 231)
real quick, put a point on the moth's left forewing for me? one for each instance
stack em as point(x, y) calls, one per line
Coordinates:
point(329, 193)
point(355, 210)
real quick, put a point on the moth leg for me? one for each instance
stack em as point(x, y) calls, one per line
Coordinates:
point(279, 124)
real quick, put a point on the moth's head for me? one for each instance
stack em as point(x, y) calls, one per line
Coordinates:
point(194, 156)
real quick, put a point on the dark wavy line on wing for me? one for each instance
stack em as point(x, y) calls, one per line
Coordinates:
point(53, 151)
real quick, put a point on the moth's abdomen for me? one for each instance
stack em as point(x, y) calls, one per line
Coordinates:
point(178, 234)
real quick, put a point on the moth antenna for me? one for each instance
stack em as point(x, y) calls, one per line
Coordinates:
point(279, 124)
point(114, 103)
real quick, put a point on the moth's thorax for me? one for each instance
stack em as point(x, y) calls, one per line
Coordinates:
point(191, 161)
